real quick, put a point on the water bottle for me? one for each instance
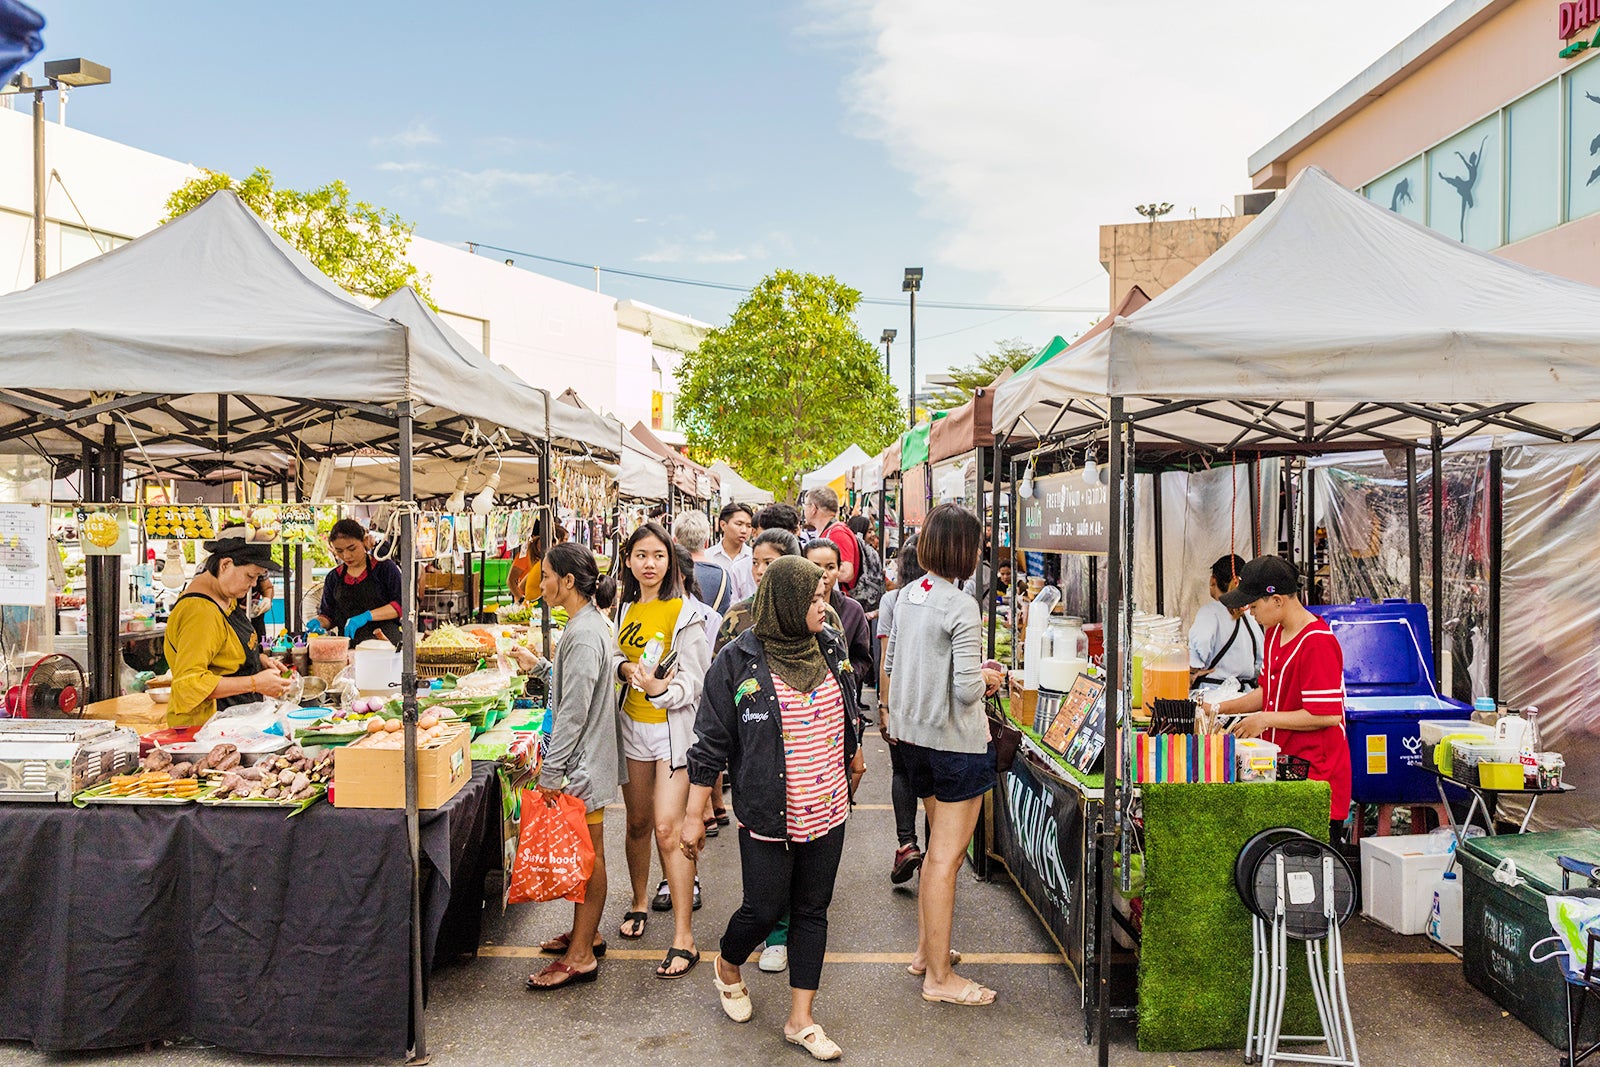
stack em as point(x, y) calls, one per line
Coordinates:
point(1529, 753)
point(1444, 921)
point(652, 652)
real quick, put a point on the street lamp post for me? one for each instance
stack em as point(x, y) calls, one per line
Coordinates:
point(61, 75)
point(912, 283)
point(887, 340)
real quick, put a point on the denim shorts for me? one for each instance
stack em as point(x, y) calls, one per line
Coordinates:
point(948, 777)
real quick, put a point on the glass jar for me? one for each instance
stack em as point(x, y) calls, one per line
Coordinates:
point(1138, 639)
point(1064, 654)
point(1166, 665)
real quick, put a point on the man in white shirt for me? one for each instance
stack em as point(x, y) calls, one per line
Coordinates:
point(1223, 643)
point(731, 551)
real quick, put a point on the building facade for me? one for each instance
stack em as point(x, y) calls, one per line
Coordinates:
point(1484, 125)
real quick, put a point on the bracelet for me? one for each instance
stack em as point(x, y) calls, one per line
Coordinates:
point(252, 683)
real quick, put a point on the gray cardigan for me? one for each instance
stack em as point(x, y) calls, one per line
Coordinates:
point(935, 661)
point(584, 755)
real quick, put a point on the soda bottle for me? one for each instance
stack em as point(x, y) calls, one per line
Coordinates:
point(1530, 749)
point(652, 652)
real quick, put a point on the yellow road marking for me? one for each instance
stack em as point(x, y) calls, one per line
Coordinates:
point(1400, 957)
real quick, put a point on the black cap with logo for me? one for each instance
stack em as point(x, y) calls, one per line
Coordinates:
point(1262, 577)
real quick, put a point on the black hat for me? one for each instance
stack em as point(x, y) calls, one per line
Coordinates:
point(1261, 577)
point(243, 553)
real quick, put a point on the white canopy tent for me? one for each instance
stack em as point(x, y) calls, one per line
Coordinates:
point(836, 469)
point(735, 487)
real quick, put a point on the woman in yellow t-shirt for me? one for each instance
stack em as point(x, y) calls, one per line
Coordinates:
point(657, 727)
point(213, 650)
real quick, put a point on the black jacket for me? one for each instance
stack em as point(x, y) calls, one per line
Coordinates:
point(739, 726)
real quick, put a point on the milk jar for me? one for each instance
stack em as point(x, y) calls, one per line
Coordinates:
point(1064, 655)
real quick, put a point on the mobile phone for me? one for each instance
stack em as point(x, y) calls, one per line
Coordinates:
point(669, 661)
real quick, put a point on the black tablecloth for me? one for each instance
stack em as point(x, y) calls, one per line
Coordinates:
point(235, 926)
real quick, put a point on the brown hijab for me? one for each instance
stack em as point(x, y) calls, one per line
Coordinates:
point(782, 602)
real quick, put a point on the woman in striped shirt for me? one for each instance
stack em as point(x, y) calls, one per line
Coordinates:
point(780, 706)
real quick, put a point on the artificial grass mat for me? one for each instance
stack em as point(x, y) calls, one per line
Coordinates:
point(1092, 781)
point(1194, 956)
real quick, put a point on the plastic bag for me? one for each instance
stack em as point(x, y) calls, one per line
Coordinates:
point(1574, 920)
point(555, 855)
point(239, 721)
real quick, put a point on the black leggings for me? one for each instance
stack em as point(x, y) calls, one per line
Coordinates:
point(904, 798)
point(781, 877)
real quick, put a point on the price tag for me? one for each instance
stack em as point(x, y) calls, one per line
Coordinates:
point(1302, 887)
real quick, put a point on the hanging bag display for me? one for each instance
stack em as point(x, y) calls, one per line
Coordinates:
point(555, 855)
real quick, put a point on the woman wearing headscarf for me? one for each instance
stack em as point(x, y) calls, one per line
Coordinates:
point(779, 707)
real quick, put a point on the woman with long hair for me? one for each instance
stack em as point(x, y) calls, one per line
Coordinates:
point(584, 754)
point(782, 696)
point(657, 724)
point(936, 718)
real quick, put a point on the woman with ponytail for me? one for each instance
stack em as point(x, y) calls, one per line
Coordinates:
point(584, 756)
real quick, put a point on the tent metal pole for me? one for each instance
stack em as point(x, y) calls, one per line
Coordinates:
point(1497, 532)
point(1308, 522)
point(1160, 560)
point(1437, 598)
point(1115, 683)
point(1414, 510)
point(990, 593)
point(1253, 471)
point(547, 512)
point(103, 477)
point(408, 705)
point(1289, 521)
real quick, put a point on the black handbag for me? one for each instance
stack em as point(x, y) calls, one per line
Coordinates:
point(1003, 733)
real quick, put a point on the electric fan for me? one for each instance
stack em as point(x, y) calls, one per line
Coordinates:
point(50, 690)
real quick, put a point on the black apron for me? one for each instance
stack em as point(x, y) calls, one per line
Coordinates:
point(239, 622)
point(349, 600)
point(1255, 650)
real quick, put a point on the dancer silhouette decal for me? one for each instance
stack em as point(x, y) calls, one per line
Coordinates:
point(1402, 194)
point(1465, 184)
point(1594, 145)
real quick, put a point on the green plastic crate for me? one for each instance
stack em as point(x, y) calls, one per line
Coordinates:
point(496, 573)
point(1500, 923)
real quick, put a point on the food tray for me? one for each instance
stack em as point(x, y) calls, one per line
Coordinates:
point(99, 795)
point(208, 798)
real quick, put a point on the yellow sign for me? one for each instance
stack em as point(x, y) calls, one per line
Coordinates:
point(1377, 754)
point(657, 409)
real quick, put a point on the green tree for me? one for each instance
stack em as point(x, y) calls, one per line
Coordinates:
point(787, 384)
point(1005, 355)
point(360, 246)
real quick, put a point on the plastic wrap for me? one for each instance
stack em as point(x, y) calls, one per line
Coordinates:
point(1550, 615)
point(1367, 519)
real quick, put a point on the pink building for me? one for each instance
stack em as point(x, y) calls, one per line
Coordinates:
point(1484, 124)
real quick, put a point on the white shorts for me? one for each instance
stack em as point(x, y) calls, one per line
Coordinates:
point(646, 742)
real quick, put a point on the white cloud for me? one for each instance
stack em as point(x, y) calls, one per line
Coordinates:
point(682, 253)
point(1026, 124)
point(396, 167)
point(415, 135)
point(469, 193)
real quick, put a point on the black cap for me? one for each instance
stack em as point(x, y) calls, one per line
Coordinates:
point(243, 553)
point(1261, 577)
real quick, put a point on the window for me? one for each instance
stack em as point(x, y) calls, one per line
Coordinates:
point(1464, 185)
point(1533, 163)
point(1402, 190)
point(1583, 141)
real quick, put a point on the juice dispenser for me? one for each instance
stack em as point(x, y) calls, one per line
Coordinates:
point(1166, 665)
point(1065, 654)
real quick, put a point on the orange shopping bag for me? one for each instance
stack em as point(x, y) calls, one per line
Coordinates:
point(555, 856)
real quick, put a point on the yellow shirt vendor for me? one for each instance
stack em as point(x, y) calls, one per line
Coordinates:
point(212, 650)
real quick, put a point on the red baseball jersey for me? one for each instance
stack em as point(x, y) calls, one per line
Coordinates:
point(1307, 673)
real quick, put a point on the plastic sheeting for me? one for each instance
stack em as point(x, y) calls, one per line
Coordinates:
point(1367, 518)
point(1550, 613)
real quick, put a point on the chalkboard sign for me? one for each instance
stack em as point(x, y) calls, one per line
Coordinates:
point(1066, 514)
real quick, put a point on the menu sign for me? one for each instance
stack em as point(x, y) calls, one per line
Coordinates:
point(1066, 514)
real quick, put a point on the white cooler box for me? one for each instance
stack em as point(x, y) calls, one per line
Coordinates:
point(1397, 881)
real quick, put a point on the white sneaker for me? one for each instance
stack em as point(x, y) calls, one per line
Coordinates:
point(774, 958)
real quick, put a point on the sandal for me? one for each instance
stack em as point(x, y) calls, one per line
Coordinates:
point(955, 958)
point(972, 995)
point(665, 971)
point(721, 815)
point(663, 900)
point(558, 945)
point(735, 998)
point(697, 900)
point(713, 827)
point(574, 977)
point(814, 1041)
point(640, 917)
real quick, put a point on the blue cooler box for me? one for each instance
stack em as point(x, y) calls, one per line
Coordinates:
point(1389, 688)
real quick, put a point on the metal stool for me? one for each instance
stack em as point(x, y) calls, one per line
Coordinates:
point(1582, 976)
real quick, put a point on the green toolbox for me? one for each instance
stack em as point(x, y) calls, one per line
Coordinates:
point(1500, 923)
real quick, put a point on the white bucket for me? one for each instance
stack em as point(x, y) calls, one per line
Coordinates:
point(376, 665)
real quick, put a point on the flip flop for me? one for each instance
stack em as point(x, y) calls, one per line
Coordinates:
point(972, 995)
point(955, 958)
point(664, 972)
point(574, 977)
point(735, 998)
point(713, 828)
point(640, 917)
point(558, 945)
point(814, 1041)
point(721, 815)
point(663, 898)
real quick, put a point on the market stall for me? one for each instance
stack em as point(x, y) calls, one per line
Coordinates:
point(1327, 325)
point(735, 488)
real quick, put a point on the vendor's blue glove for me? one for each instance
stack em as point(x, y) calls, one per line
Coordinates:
point(315, 627)
point(356, 622)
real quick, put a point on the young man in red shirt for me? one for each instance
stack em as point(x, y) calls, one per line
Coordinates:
point(822, 515)
point(1299, 705)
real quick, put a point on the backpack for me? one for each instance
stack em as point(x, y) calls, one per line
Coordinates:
point(869, 583)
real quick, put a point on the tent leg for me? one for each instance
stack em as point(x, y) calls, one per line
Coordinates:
point(408, 704)
point(994, 541)
point(1497, 530)
point(1161, 584)
point(1437, 597)
point(1253, 467)
point(102, 475)
point(1113, 755)
point(547, 513)
point(1415, 511)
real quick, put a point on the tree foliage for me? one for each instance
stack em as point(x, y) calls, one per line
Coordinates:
point(787, 384)
point(360, 246)
point(984, 369)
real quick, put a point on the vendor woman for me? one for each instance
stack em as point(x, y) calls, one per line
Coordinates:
point(1300, 704)
point(361, 596)
point(211, 646)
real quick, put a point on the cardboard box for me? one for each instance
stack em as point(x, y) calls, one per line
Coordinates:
point(375, 778)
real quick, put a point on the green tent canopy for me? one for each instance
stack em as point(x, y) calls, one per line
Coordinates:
point(914, 442)
point(1050, 351)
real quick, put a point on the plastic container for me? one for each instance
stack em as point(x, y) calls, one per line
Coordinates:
point(1398, 878)
point(1387, 760)
point(1257, 760)
point(376, 666)
point(1165, 666)
point(1431, 731)
point(328, 649)
point(1444, 918)
point(1466, 756)
point(1507, 776)
point(1065, 654)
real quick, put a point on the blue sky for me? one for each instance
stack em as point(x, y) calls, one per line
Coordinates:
point(717, 140)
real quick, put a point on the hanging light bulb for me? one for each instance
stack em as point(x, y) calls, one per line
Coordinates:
point(1091, 469)
point(1025, 490)
point(458, 499)
point(172, 571)
point(483, 503)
